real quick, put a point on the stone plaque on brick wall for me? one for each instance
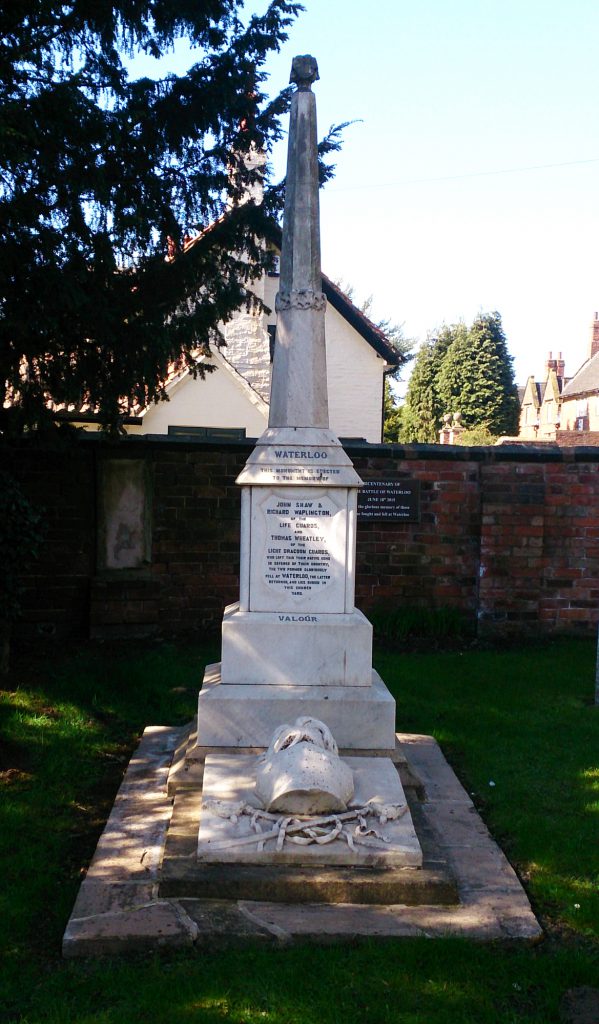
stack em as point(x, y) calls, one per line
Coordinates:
point(123, 519)
point(397, 500)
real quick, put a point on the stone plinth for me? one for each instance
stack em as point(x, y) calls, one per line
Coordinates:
point(301, 648)
point(360, 717)
point(296, 623)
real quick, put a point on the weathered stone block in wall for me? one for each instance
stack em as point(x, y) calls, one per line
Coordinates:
point(123, 514)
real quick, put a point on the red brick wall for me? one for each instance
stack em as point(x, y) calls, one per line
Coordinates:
point(508, 537)
point(196, 534)
point(432, 562)
point(577, 438)
point(61, 484)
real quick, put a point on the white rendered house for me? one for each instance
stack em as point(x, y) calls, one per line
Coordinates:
point(236, 394)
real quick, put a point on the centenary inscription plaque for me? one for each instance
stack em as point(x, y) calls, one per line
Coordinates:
point(389, 499)
point(297, 535)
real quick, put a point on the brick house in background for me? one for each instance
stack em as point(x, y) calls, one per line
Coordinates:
point(563, 410)
point(540, 403)
point(233, 400)
point(580, 397)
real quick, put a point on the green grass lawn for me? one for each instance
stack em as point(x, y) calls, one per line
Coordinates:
point(520, 719)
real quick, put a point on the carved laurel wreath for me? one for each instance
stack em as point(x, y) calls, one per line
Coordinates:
point(304, 298)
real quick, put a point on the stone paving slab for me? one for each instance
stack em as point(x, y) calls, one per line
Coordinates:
point(118, 909)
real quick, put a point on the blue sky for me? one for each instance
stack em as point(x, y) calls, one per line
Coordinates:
point(470, 180)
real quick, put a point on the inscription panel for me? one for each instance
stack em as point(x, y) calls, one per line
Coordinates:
point(389, 499)
point(299, 466)
point(298, 550)
point(291, 474)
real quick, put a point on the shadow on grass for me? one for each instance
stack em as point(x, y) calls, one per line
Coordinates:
point(68, 726)
point(412, 982)
point(517, 719)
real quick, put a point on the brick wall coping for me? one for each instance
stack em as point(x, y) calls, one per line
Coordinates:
point(408, 452)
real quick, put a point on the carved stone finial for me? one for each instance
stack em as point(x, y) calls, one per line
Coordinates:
point(304, 71)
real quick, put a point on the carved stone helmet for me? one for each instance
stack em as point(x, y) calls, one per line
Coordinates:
point(302, 773)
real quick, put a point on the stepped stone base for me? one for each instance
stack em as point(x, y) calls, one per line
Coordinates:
point(134, 895)
point(360, 717)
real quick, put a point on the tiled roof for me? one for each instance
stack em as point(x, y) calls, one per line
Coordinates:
point(585, 381)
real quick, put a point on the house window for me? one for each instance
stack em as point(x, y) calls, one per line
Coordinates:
point(582, 414)
point(208, 433)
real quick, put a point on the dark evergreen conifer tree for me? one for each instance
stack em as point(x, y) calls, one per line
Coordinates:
point(477, 378)
point(102, 177)
point(465, 370)
point(423, 410)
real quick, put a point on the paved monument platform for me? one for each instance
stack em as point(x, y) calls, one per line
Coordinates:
point(122, 904)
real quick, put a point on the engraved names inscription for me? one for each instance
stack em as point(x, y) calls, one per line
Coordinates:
point(298, 549)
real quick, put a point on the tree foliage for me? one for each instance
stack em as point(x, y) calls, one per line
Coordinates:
point(392, 415)
point(102, 175)
point(477, 378)
point(465, 370)
point(423, 410)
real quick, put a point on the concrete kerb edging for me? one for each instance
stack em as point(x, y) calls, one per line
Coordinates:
point(118, 911)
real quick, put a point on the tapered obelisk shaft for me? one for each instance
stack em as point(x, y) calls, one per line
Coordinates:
point(299, 379)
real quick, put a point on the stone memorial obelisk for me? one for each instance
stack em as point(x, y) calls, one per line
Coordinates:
point(295, 644)
point(249, 826)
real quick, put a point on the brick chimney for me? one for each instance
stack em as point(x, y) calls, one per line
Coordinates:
point(594, 347)
point(561, 366)
point(551, 364)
